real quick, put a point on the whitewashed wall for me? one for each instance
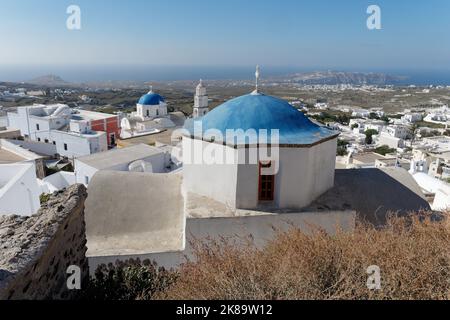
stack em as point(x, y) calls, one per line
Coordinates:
point(303, 175)
point(77, 145)
point(20, 191)
point(217, 181)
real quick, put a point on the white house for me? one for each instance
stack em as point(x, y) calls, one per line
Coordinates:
point(57, 181)
point(72, 144)
point(137, 158)
point(19, 189)
point(361, 113)
point(388, 140)
point(39, 118)
point(398, 131)
point(412, 117)
point(437, 143)
point(321, 106)
point(438, 188)
point(438, 115)
point(53, 124)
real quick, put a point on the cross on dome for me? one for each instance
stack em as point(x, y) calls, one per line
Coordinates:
point(257, 74)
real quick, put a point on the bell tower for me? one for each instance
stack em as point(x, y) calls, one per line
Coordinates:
point(200, 101)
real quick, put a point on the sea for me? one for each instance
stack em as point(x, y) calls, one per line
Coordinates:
point(101, 73)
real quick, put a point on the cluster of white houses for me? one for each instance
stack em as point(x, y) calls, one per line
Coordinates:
point(76, 132)
point(301, 170)
point(87, 139)
point(70, 131)
point(276, 168)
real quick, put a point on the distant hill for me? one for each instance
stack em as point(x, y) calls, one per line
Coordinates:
point(48, 80)
point(335, 77)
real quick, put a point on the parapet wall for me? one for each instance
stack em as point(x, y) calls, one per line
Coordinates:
point(36, 251)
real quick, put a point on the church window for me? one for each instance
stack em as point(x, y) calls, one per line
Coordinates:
point(266, 183)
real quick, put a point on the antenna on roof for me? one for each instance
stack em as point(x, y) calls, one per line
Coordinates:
point(257, 79)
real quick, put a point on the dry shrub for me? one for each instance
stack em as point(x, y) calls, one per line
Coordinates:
point(412, 252)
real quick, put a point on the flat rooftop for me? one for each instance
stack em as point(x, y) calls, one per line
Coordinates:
point(92, 115)
point(368, 158)
point(440, 139)
point(111, 158)
point(9, 157)
point(444, 155)
point(164, 137)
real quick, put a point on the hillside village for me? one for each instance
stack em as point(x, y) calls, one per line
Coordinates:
point(57, 138)
point(157, 178)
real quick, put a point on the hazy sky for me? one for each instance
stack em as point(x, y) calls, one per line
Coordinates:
point(309, 33)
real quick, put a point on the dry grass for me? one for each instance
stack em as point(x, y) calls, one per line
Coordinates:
point(413, 254)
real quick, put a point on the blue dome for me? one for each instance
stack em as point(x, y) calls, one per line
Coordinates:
point(259, 111)
point(151, 99)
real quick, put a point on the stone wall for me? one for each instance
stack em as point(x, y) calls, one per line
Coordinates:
point(36, 251)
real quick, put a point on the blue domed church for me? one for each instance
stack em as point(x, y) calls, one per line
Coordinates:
point(150, 117)
point(151, 105)
point(258, 151)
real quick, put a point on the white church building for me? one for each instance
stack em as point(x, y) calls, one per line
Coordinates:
point(226, 159)
point(151, 116)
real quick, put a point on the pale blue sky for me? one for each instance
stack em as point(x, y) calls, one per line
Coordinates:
point(309, 33)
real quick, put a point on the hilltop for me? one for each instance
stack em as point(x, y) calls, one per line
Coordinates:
point(48, 80)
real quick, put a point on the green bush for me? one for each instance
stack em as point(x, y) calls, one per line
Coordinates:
point(369, 133)
point(44, 197)
point(383, 150)
point(51, 170)
point(130, 280)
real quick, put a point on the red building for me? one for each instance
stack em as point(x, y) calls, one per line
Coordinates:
point(108, 123)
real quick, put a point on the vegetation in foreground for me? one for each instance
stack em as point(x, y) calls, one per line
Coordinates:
point(413, 254)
